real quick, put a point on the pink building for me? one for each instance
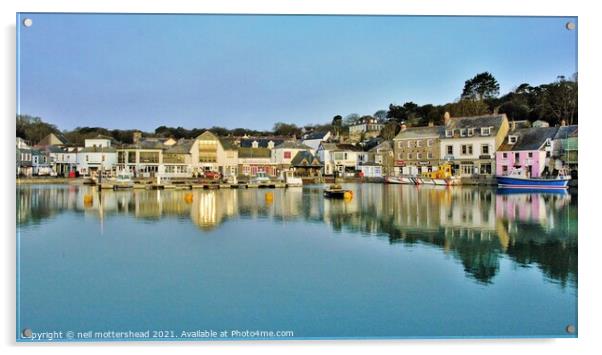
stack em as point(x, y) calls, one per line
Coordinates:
point(526, 148)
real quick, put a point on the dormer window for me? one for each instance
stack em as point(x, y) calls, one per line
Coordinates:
point(548, 142)
point(486, 131)
point(471, 132)
point(271, 144)
point(463, 132)
point(512, 139)
point(449, 132)
point(255, 144)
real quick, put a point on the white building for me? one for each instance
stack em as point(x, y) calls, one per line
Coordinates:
point(96, 156)
point(340, 158)
point(364, 125)
point(283, 154)
point(314, 139)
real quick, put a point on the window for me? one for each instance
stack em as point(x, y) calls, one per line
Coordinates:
point(131, 157)
point(505, 155)
point(504, 169)
point(287, 154)
point(512, 139)
point(466, 149)
point(429, 143)
point(430, 155)
point(86, 157)
point(530, 154)
point(471, 132)
point(463, 132)
point(207, 151)
point(409, 144)
point(409, 156)
point(418, 144)
point(418, 156)
point(485, 131)
point(485, 149)
point(400, 145)
point(450, 150)
point(449, 133)
point(517, 156)
point(149, 157)
point(103, 157)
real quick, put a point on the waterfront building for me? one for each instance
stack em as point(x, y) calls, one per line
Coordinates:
point(97, 156)
point(382, 155)
point(526, 148)
point(314, 139)
point(64, 159)
point(24, 165)
point(565, 148)
point(40, 162)
point(417, 149)
point(261, 142)
point(340, 159)
point(306, 164)
point(215, 154)
point(176, 158)
point(470, 143)
point(371, 170)
point(254, 160)
point(283, 154)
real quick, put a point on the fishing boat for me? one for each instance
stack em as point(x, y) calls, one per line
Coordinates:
point(441, 176)
point(399, 180)
point(123, 180)
point(336, 191)
point(260, 179)
point(290, 179)
point(518, 179)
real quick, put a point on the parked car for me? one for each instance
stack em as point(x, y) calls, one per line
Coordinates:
point(212, 175)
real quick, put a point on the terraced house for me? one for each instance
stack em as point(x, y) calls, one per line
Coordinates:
point(470, 143)
point(215, 154)
point(417, 149)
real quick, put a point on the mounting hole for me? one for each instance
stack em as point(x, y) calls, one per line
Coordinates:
point(570, 26)
point(570, 329)
point(27, 22)
point(26, 333)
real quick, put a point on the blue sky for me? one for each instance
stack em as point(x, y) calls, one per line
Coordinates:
point(143, 71)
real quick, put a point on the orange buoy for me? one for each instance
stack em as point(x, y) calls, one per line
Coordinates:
point(88, 199)
point(188, 197)
point(269, 197)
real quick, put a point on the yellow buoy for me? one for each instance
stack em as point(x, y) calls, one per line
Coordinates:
point(348, 195)
point(269, 196)
point(88, 199)
point(188, 197)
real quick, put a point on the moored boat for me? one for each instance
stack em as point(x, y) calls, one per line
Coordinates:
point(123, 180)
point(398, 180)
point(336, 191)
point(517, 179)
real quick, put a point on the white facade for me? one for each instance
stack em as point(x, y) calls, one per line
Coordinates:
point(314, 144)
point(284, 154)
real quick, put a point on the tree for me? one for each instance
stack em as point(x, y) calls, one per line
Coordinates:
point(560, 100)
point(482, 86)
point(467, 107)
point(337, 124)
point(381, 114)
point(390, 130)
point(286, 129)
point(351, 119)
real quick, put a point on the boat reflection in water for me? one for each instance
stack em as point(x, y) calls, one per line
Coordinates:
point(477, 226)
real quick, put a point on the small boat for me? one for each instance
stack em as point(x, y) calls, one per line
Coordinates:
point(440, 182)
point(290, 179)
point(427, 181)
point(398, 180)
point(260, 179)
point(123, 180)
point(517, 179)
point(336, 191)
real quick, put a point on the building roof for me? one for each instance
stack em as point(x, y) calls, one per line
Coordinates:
point(494, 121)
point(52, 139)
point(305, 158)
point(261, 142)
point(567, 132)
point(246, 152)
point(387, 145)
point(182, 146)
point(228, 143)
point(529, 138)
point(316, 135)
point(292, 145)
point(420, 132)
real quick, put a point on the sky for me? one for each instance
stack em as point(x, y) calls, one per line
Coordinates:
point(197, 71)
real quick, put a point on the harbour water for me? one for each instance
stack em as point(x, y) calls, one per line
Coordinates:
point(395, 261)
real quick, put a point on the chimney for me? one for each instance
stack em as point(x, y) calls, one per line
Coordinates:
point(431, 123)
point(562, 123)
point(513, 125)
point(446, 118)
point(136, 137)
point(403, 127)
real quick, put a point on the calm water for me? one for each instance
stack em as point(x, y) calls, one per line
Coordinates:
point(396, 261)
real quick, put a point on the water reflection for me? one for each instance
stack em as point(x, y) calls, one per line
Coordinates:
point(478, 227)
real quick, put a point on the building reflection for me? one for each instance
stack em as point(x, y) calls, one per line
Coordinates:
point(478, 227)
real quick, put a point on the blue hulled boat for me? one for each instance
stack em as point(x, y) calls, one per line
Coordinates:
point(518, 180)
